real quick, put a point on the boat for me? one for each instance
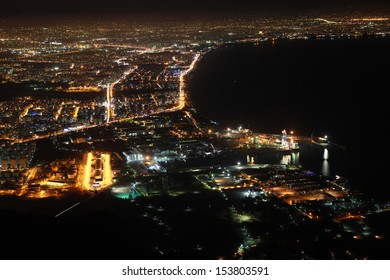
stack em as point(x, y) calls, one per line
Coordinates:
point(322, 141)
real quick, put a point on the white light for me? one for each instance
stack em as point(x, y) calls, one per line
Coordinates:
point(326, 154)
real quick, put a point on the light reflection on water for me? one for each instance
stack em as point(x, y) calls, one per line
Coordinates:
point(328, 162)
point(325, 169)
point(292, 159)
point(295, 158)
point(326, 154)
point(286, 159)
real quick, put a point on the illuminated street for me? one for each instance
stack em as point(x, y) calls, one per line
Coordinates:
point(107, 174)
point(87, 171)
point(110, 110)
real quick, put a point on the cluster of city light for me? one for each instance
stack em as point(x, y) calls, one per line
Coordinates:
point(88, 171)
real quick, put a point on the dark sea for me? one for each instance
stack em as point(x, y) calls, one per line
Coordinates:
point(334, 87)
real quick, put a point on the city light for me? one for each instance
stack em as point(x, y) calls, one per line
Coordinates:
point(107, 173)
point(101, 131)
point(87, 171)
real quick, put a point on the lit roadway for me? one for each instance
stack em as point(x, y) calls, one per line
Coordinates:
point(87, 171)
point(182, 95)
point(107, 175)
point(110, 88)
point(192, 119)
point(43, 136)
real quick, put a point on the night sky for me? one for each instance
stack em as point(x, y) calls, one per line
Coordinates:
point(41, 8)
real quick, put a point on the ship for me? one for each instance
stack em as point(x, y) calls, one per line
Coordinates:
point(323, 141)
